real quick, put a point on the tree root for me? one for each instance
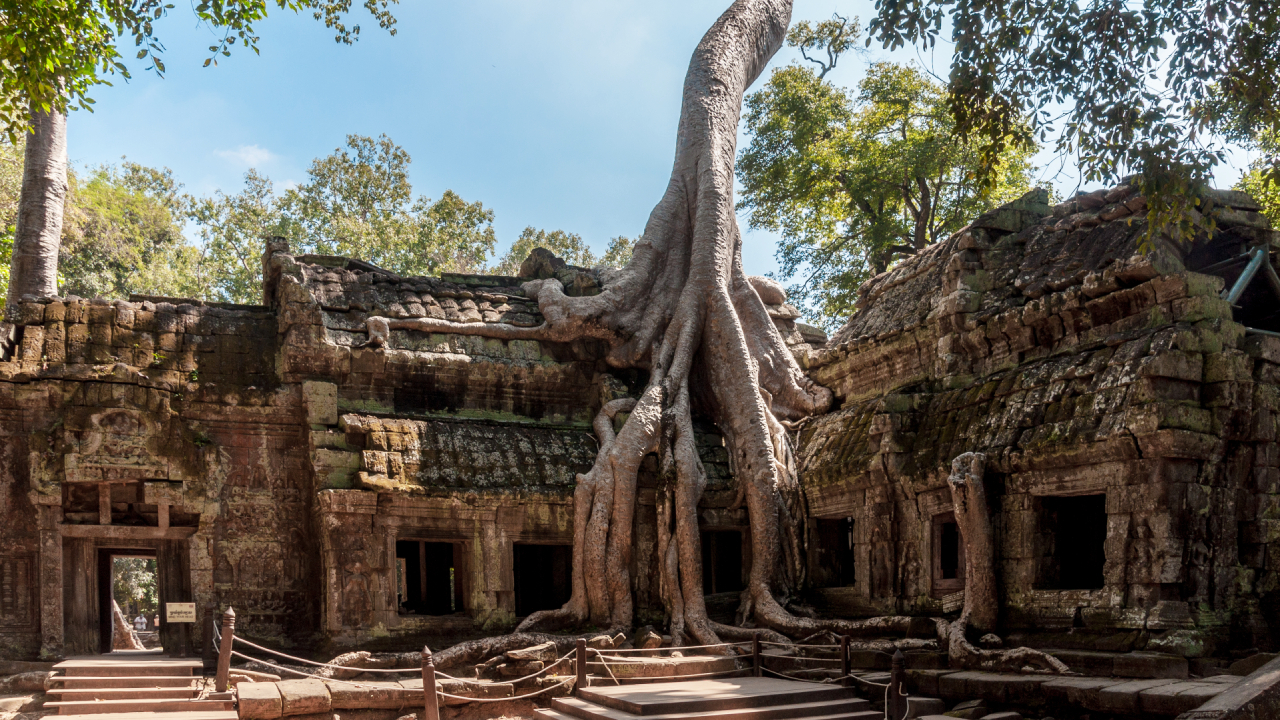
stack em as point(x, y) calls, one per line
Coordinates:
point(476, 651)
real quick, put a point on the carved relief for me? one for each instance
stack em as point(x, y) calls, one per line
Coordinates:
point(16, 603)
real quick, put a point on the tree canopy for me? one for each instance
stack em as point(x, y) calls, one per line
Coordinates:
point(570, 247)
point(53, 52)
point(1126, 87)
point(853, 180)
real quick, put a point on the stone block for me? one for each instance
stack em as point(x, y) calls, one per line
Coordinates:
point(369, 695)
point(1122, 698)
point(300, 697)
point(1150, 665)
point(1074, 690)
point(259, 701)
point(321, 399)
point(1177, 698)
point(925, 682)
point(918, 706)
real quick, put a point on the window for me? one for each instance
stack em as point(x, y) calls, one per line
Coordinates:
point(721, 561)
point(1073, 537)
point(543, 576)
point(948, 555)
point(834, 566)
point(428, 578)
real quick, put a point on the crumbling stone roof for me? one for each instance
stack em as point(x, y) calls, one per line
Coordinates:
point(1016, 265)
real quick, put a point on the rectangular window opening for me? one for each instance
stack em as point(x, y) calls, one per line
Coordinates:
point(721, 561)
point(427, 579)
point(948, 555)
point(543, 576)
point(835, 556)
point(1074, 533)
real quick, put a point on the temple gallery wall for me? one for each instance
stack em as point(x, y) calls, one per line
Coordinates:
point(340, 493)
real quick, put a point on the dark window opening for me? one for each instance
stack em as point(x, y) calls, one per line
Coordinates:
point(543, 576)
point(721, 561)
point(428, 579)
point(1249, 276)
point(948, 555)
point(1075, 533)
point(835, 556)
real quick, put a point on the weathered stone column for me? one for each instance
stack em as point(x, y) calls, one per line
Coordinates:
point(50, 521)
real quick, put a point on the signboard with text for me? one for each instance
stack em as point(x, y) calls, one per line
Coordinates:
point(180, 612)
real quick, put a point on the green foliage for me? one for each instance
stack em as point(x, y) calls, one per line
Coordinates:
point(122, 234)
point(1256, 183)
point(854, 180)
point(52, 52)
point(133, 586)
point(569, 247)
point(10, 188)
point(232, 228)
point(362, 206)
point(834, 37)
point(618, 254)
point(1143, 83)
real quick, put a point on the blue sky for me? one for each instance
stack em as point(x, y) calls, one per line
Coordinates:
point(558, 114)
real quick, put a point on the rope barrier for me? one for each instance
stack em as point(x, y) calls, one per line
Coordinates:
point(675, 678)
point(507, 699)
point(797, 679)
point(389, 671)
point(679, 647)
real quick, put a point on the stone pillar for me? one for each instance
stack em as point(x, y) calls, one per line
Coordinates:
point(50, 521)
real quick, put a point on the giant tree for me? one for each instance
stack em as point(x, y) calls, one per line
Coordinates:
point(1126, 87)
point(685, 313)
point(853, 180)
point(53, 52)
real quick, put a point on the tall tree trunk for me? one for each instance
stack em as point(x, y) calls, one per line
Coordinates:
point(34, 268)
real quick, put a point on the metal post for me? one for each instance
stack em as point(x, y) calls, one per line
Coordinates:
point(431, 708)
point(895, 696)
point(755, 654)
point(224, 649)
point(580, 663)
point(844, 660)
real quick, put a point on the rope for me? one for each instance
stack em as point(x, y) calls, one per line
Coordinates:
point(674, 678)
point(679, 647)
point(268, 663)
point(389, 671)
point(562, 683)
point(794, 645)
point(792, 677)
point(534, 675)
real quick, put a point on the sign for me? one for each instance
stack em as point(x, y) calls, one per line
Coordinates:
point(180, 612)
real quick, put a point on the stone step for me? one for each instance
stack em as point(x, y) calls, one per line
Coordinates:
point(124, 681)
point(126, 693)
point(174, 715)
point(108, 666)
point(590, 711)
point(698, 696)
point(135, 706)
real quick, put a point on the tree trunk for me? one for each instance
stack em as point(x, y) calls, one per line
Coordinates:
point(981, 608)
point(34, 268)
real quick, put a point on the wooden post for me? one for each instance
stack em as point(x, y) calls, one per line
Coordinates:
point(580, 663)
point(844, 660)
point(209, 654)
point(224, 649)
point(895, 696)
point(755, 654)
point(431, 709)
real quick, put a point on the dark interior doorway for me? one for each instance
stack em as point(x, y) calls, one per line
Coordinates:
point(1075, 534)
point(115, 578)
point(431, 582)
point(948, 555)
point(543, 576)
point(834, 559)
point(721, 561)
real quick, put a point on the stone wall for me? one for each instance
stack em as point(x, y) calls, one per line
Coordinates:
point(1081, 368)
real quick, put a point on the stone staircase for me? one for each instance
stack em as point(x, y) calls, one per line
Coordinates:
point(143, 685)
point(722, 699)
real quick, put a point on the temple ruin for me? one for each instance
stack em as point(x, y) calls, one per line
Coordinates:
point(343, 493)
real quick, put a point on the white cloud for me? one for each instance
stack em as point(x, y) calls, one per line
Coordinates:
point(249, 156)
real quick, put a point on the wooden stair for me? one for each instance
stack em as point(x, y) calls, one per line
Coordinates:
point(136, 686)
point(722, 699)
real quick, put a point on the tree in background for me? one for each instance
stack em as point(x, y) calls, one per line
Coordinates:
point(134, 586)
point(569, 247)
point(1256, 183)
point(10, 186)
point(231, 230)
point(361, 205)
point(55, 51)
point(1144, 85)
point(123, 234)
point(853, 181)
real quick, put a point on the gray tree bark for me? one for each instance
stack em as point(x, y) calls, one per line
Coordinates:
point(34, 267)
